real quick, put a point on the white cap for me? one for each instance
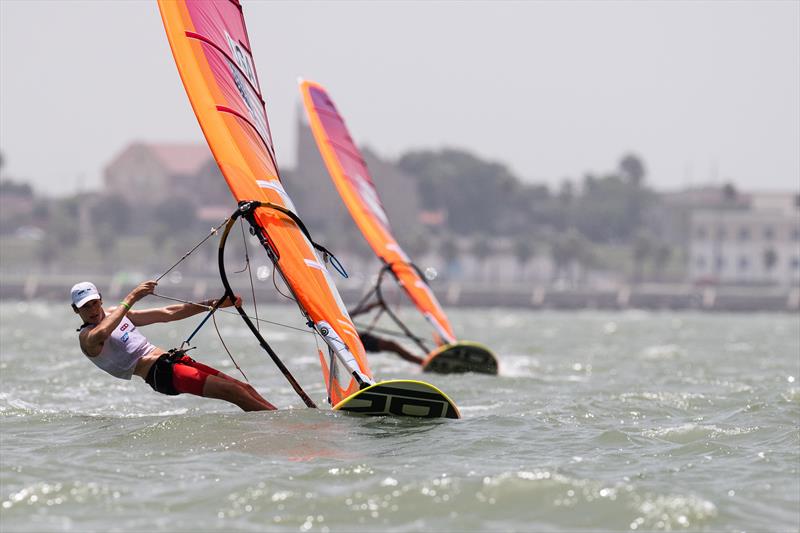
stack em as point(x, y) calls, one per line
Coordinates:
point(84, 292)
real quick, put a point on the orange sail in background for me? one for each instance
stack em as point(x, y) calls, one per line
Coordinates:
point(349, 172)
point(212, 50)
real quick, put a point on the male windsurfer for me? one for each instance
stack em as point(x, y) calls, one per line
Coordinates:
point(111, 340)
point(373, 343)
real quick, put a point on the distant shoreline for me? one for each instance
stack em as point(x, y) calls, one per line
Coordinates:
point(457, 294)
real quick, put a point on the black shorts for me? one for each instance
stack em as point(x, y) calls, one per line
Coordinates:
point(159, 377)
point(370, 342)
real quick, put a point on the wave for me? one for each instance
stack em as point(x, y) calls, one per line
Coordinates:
point(690, 432)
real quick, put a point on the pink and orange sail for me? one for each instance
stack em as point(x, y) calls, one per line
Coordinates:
point(212, 50)
point(354, 183)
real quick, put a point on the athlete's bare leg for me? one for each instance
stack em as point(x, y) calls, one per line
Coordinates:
point(249, 388)
point(234, 392)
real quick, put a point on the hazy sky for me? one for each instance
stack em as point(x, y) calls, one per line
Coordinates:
point(702, 91)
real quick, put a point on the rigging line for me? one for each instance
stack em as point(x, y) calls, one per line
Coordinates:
point(227, 350)
point(398, 334)
point(210, 313)
point(361, 306)
point(250, 273)
point(246, 256)
point(213, 231)
point(376, 318)
point(246, 208)
point(275, 284)
point(390, 313)
point(332, 362)
point(231, 313)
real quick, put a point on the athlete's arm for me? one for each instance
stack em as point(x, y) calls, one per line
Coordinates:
point(363, 309)
point(171, 313)
point(390, 346)
point(92, 339)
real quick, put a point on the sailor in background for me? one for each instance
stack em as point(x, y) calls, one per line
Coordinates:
point(373, 343)
point(112, 341)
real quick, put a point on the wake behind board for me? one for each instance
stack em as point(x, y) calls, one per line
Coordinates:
point(463, 356)
point(400, 397)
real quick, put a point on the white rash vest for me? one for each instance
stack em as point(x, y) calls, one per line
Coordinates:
point(122, 350)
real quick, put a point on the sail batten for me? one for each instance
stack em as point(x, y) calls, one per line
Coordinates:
point(199, 37)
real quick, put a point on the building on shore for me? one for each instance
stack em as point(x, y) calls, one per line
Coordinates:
point(757, 244)
point(167, 171)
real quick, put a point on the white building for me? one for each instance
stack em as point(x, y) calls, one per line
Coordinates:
point(755, 245)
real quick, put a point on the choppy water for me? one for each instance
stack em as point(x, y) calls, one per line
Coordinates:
point(599, 421)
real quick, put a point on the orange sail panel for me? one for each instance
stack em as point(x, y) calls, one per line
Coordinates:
point(212, 50)
point(349, 172)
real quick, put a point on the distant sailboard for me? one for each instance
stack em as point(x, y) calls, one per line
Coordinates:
point(212, 50)
point(349, 173)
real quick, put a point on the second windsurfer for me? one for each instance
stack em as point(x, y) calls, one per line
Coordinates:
point(112, 341)
point(373, 343)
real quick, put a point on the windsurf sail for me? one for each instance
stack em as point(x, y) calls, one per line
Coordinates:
point(212, 50)
point(353, 181)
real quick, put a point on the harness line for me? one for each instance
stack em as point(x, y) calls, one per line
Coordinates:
point(214, 319)
point(249, 272)
point(233, 313)
point(213, 231)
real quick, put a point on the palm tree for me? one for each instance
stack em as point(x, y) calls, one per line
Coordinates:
point(159, 235)
point(113, 211)
point(642, 249)
point(524, 249)
point(568, 249)
point(661, 257)
point(418, 246)
point(632, 169)
point(448, 249)
point(47, 251)
point(729, 194)
point(559, 254)
point(481, 249)
point(105, 241)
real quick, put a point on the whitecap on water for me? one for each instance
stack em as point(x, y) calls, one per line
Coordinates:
point(739, 347)
point(518, 366)
point(667, 512)
point(678, 400)
point(507, 321)
point(686, 433)
point(792, 395)
point(663, 351)
point(476, 408)
point(49, 494)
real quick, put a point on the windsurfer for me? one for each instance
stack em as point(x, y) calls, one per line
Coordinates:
point(112, 341)
point(373, 343)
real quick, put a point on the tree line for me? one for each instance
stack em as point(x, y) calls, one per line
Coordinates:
point(483, 202)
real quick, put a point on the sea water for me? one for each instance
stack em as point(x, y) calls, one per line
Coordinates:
point(598, 421)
